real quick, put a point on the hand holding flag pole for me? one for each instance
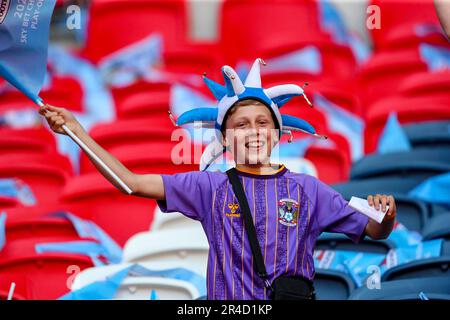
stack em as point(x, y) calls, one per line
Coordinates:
point(23, 58)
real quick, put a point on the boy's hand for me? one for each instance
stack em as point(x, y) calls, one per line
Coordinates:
point(379, 201)
point(56, 117)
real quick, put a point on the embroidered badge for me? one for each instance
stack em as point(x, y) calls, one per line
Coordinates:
point(288, 212)
point(233, 208)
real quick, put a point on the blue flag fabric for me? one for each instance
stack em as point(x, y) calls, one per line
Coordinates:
point(433, 190)
point(393, 138)
point(105, 245)
point(107, 288)
point(2, 230)
point(24, 32)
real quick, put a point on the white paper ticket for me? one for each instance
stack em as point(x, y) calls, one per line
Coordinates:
point(363, 206)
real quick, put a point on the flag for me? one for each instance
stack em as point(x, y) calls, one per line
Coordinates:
point(393, 138)
point(24, 32)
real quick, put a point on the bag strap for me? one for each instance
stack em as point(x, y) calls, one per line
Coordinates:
point(249, 226)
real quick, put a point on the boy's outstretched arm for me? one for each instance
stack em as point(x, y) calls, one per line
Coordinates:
point(144, 185)
point(378, 231)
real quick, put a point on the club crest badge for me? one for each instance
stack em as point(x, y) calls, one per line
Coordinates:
point(288, 210)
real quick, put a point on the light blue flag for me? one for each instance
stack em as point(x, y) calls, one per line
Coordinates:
point(2, 230)
point(132, 62)
point(433, 190)
point(437, 58)
point(88, 229)
point(343, 122)
point(107, 289)
point(307, 59)
point(99, 290)
point(24, 32)
point(333, 23)
point(393, 138)
point(18, 190)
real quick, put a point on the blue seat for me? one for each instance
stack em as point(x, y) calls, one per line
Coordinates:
point(335, 241)
point(437, 288)
point(428, 133)
point(386, 185)
point(437, 227)
point(418, 163)
point(332, 285)
point(432, 267)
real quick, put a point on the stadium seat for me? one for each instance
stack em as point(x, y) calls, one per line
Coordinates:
point(426, 83)
point(139, 288)
point(141, 18)
point(421, 12)
point(172, 221)
point(153, 157)
point(332, 285)
point(332, 164)
point(121, 216)
point(382, 74)
point(330, 241)
point(428, 134)
point(41, 276)
point(433, 267)
point(145, 104)
point(382, 185)
point(338, 92)
point(437, 227)
point(27, 226)
point(45, 174)
point(259, 35)
point(188, 248)
point(64, 91)
point(26, 140)
point(437, 288)
point(8, 202)
point(408, 110)
point(417, 163)
point(280, 36)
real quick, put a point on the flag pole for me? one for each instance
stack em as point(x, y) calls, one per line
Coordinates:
point(83, 146)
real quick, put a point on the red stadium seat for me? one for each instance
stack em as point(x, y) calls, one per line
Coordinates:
point(64, 92)
point(332, 165)
point(382, 74)
point(46, 174)
point(145, 104)
point(121, 216)
point(18, 145)
point(426, 83)
point(414, 109)
point(341, 93)
point(273, 24)
point(41, 276)
point(279, 27)
point(420, 11)
point(140, 18)
point(8, 202)
point(37, 138)
point(155, 157)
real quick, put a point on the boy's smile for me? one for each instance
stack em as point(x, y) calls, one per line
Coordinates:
point(251, 134)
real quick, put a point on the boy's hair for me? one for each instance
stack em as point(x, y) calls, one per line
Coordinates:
point(243, 103)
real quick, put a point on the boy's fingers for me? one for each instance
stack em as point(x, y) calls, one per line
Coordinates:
point(391, 204)
point(370, 200)
point(383, 203)
point(376, 201)
point(53, 108)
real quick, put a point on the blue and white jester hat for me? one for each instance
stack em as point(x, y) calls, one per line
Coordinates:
point(233, 91)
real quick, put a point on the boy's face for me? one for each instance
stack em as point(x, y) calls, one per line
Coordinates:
point(251, 134)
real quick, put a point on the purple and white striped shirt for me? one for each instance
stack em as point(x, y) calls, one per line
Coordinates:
point(290, 210)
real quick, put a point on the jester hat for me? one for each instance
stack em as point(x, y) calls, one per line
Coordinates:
point(235, 90)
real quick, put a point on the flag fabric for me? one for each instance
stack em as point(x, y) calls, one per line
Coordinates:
point(393, 138)
point(24, 32)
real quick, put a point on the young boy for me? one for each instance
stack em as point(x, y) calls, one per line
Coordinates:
point(289, 210)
